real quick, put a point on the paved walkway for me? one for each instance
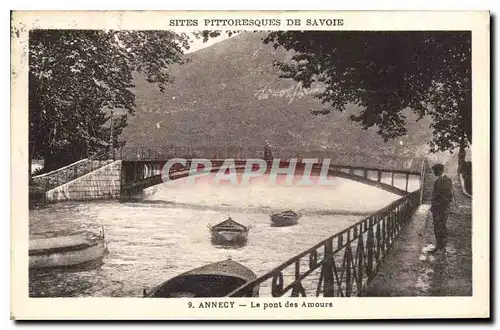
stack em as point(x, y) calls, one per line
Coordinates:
point(409, 270)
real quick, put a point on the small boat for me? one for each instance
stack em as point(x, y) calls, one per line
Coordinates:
point(213, 280)
point(68, 250)
point(285, 218)
point(229, 232)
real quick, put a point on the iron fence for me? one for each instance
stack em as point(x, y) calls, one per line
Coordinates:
point(343, 264)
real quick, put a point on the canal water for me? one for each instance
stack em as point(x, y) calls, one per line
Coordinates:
point(165, 233)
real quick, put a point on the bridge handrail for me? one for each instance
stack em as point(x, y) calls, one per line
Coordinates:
point(381, 228)
point(259, 148)
point(152, 173)
point(350, 167)
point(154, 152)
point(95, 157)
point(59, 169)
point(50, 180)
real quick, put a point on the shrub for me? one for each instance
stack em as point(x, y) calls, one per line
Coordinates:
point(36, 196)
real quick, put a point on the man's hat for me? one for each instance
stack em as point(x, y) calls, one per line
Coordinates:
point(438, 167)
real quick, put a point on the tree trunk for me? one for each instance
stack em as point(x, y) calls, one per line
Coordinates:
point(48, 162)
point(461, 159)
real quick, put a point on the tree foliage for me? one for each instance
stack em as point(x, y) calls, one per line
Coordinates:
point(386, 73)
point(76, 79)
point(205, 35)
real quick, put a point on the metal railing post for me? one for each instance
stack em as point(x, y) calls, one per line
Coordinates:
point(348, 268)
point(328, 289)
point(379, 242)
point(359, 264)
point(369, 247)
point(383, 235)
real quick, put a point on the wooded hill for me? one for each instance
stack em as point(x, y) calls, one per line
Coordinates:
point(230, 94)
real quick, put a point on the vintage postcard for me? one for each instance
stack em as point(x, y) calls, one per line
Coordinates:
point(250, 165)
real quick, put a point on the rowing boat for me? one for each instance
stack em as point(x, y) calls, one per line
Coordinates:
point(67, 250)
point(213, 280)
point(229, 232)
point(285, 218)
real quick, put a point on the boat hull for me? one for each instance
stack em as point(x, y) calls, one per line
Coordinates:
point(65, 251)
point(284, 222)
point(229, 232)
point(229, 237)
point(281, 221)
point(70, 258)
point(213, 280)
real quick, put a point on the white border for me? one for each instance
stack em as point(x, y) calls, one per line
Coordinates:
point(393, 8)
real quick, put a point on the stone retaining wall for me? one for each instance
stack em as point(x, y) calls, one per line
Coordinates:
point(103, 183)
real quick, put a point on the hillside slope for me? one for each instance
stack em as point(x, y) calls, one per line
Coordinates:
point(231, 94)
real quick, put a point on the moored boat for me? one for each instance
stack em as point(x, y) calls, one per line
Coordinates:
point(67, 250)
point(285, 218)
point(213, 280)
point(229, 232)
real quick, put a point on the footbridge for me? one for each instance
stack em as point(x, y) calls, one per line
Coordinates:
point(125, 172)
point(143, 168)
point(342, 265)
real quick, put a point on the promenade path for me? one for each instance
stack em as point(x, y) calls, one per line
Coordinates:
point(409, 270)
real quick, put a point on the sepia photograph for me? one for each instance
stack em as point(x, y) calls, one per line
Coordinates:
point(263, 159)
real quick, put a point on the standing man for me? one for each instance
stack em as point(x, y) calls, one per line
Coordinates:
point(267, 151)
point(442, 195)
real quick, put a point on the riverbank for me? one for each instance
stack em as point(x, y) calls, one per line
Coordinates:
point(410, 270)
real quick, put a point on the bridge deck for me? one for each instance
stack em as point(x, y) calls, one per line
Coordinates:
point(152, 173)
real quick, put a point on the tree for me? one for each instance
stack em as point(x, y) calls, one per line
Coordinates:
point(78, 78)
point(386, 73)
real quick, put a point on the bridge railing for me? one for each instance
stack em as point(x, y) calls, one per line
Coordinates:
point(50, 180)
point(367, 158)
point(341, 265)
point(141, 174)
point(168, 152)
